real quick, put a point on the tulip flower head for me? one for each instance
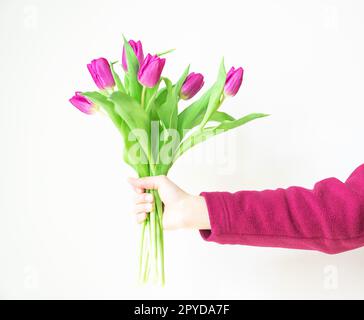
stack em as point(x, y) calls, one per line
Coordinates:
point(101, 73)
point(82, 103)
point(233, 82)
point(193, 84)
point(138, 50)
point(150, 71)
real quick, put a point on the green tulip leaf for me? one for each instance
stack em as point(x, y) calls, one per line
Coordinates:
point(126, 83)
point(168, 111)
point(206, 133)
point(180, 82)
point(134, 116)
point(131, 77)
point(100, 100)
point(109, 107)
point(188, 117)
point(119, 84)
point(216, 94)
point(150, 96)
point(161, 96)
point(219, 116)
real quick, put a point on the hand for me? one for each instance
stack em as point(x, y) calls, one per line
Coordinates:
point(181, 210)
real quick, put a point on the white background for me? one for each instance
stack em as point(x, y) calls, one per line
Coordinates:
point(65, 227)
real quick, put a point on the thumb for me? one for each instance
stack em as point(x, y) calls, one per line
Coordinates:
point(147, 182)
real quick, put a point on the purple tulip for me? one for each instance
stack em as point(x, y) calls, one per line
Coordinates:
point(233, 82)
point(82, 103)
point(138, 50)
point(151, 70)
point(193, 84)
point(101, 73)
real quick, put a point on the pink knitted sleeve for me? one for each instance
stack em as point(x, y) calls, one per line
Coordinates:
point(328, 218)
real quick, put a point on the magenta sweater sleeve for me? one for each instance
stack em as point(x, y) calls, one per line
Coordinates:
point(329, 218)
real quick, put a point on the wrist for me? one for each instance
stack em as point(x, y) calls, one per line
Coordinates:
point(197, 215)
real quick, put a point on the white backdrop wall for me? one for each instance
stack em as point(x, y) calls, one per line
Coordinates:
point(65, 227)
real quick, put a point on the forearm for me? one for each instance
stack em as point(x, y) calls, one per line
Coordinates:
point(329, 218)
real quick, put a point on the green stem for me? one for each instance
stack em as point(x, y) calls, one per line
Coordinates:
point(165, 52)
point(144, 90)
point(153, 234)
point(152, 242)
point(156, 230)
point(155, 238)
point(159, 240)
point(141, 252)
point(147, 269)
point(203, 123)
point(144, 267)
point(150, 103)
point(158, 234)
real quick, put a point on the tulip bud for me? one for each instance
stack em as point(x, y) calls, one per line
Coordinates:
point(82, 103)
point(138, 50)
point(101, 73)
point(233, 82)
point(151, 70)
point(193, 84)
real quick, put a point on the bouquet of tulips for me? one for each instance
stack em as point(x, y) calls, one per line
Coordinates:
point(144, 107)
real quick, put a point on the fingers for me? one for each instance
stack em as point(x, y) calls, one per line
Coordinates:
point(147, 182)
point(144, 201)
point(138, 190)
point(143, 198)
point(142, 207)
